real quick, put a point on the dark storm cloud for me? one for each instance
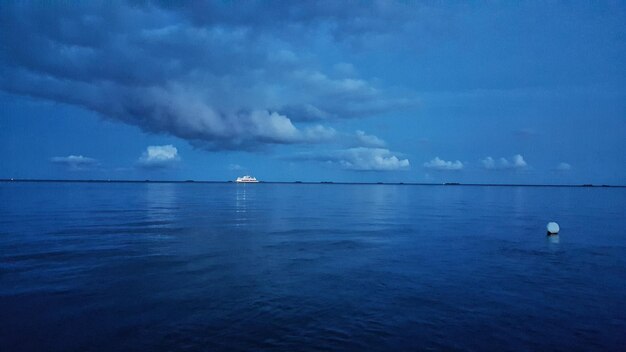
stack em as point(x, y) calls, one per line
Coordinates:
point(221, 75)
point(343, 19)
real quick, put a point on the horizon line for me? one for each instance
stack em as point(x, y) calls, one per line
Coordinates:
point(588, 185)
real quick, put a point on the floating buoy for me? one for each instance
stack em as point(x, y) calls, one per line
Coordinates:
point(553, 228)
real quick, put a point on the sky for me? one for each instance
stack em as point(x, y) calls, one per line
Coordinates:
point(368, 91)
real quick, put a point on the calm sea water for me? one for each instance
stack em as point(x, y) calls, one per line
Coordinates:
point(158, 267)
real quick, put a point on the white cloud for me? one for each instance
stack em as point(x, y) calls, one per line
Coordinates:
point(488, 163)
point(374, 159)
point(74, 162)
point(319, 133)
point(360, 159)
point(159, 156)
point(305, 112)
point(365, 140)
point(272, 127)
point(563, 167)
point(439, 164)
point(517, 162)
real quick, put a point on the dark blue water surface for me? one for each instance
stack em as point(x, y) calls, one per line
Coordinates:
point(310, 267)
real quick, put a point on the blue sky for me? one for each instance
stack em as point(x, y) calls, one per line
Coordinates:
point(497, 92)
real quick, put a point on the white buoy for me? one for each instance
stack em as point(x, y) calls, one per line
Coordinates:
point(553, 228)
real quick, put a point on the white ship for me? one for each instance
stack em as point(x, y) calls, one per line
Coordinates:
point(246, 179)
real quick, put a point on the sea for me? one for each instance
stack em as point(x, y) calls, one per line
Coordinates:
point(89, 266)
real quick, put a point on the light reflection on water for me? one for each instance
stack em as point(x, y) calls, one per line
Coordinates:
point(553, 239)
point(241, 204)
point(309, 267)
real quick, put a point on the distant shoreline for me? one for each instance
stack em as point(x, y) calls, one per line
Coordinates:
point(321, 182)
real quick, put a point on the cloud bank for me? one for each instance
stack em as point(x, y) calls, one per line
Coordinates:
point(360, 159)
point(516, 163)
point(442, 165)
point(217, 76)
point(74, 162)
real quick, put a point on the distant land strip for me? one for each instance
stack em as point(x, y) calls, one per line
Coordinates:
point(321, 182)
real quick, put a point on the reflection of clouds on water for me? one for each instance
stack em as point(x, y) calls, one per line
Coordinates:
point(160, 195)
point(373, 206)
point(375, 202)
point(519, 201)
point(161, 201)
